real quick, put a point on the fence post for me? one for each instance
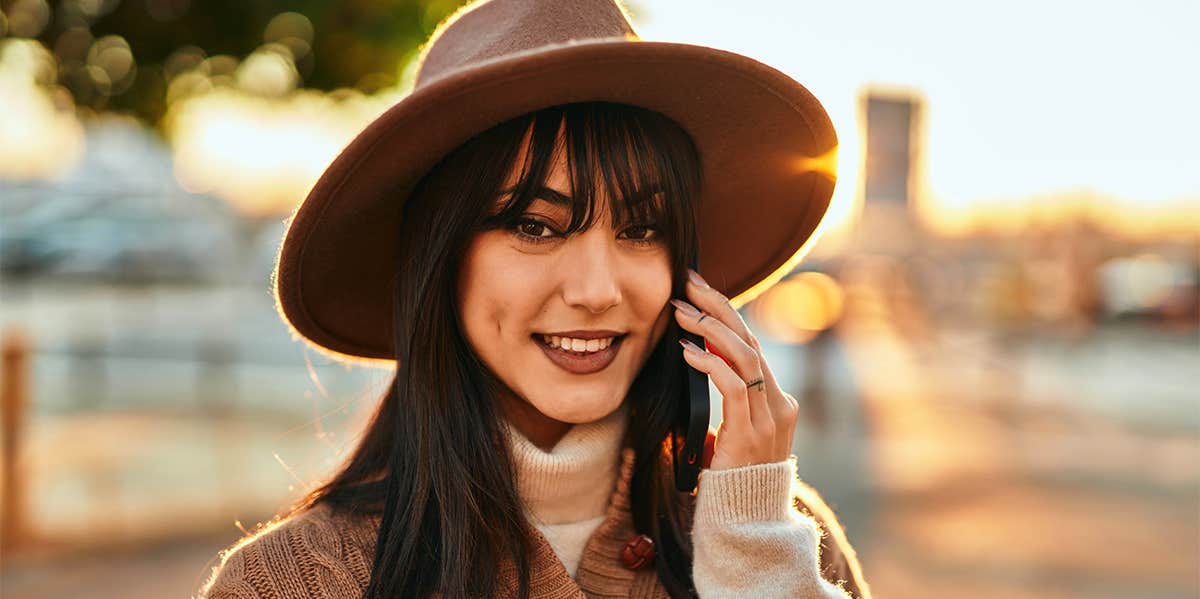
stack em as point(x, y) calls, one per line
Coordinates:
point(14, 364)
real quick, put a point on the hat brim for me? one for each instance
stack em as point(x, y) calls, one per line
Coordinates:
point(766, 145)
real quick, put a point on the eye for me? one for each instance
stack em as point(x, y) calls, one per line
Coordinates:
point(528, 230)
point(643, 234)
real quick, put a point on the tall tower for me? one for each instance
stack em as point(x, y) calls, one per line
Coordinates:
point(889, 139)
point(888, 219)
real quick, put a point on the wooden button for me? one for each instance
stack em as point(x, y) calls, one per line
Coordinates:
point(637, 552)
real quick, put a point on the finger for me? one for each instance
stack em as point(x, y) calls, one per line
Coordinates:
point(760, 410)
point(782, 406)
point(723, 341)
point(713, 302)
point(735, 408)
point(733, 351)
point(775, 395)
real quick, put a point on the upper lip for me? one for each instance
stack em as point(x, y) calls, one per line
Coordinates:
point(585, 334)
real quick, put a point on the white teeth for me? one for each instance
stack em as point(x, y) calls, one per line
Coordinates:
point(578, 345)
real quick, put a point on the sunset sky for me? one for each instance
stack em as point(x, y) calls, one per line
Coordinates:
point(1023, 98)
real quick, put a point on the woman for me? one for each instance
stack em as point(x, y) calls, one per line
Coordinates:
point(515, 235)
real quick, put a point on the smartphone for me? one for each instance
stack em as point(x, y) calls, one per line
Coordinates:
point(691, 429)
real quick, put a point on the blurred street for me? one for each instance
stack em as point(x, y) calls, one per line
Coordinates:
point(997, 474)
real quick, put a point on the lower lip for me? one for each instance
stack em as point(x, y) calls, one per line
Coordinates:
point(582, 363)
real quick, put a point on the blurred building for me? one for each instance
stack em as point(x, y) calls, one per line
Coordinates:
point(118, 215)
point(888, 222)
point(1060, 276)
point(889, 143)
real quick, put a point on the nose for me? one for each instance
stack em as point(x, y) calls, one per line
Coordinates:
point(591, 275)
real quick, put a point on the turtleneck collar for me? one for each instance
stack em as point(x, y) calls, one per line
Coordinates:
point(573, 481)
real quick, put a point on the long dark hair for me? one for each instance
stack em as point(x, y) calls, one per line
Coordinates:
point(432, 460)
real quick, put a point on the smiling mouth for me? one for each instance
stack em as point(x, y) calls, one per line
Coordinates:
point(581, 362)
point(541, 340)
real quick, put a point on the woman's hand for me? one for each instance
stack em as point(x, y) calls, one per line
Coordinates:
point(759, 419)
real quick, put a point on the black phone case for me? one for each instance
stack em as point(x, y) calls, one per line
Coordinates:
point(692, 427)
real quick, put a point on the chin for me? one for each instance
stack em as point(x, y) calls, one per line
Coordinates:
point(578, 411)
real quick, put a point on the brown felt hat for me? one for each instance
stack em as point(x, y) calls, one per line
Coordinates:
point(767, 149)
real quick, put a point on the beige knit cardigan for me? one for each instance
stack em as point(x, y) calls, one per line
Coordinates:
point(324, 553)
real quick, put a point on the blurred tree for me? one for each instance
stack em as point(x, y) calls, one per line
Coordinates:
point(121, 54)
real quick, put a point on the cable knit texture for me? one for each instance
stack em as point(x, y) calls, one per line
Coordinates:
point(745, 518)
point(758, 531)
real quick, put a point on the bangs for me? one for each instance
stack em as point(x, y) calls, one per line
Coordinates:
point(634, 155)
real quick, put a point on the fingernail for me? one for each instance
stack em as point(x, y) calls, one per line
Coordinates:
point(696, 278)
point(692, 347)
point(687, 308)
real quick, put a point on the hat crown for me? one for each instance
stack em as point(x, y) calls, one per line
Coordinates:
point(494, 29)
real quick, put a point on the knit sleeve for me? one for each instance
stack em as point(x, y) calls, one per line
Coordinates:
point(229, 580)
point(761, 532)
point(312, 555)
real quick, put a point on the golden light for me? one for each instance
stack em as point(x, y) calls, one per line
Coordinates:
point(111, 65)
point(261, 154)
point(40, 137)
point(287, 25)
point(826, 163)
point(845, 162)
point(245, 132)
point(796, 310)
point(1109, 215)
point(268, 71)
point(27, 18)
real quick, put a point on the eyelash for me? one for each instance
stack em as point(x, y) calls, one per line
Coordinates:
point(535, 239)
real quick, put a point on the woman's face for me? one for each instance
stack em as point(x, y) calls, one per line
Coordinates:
point(516, 289)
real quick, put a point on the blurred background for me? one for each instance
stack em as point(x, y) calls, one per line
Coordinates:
point(996, 340)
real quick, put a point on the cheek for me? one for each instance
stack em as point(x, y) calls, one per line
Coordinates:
point(480, 296)
point(497, 293)
point(653, 288)
point(659, 279)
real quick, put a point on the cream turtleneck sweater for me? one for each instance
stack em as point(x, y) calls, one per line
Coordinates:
point(566, 490)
